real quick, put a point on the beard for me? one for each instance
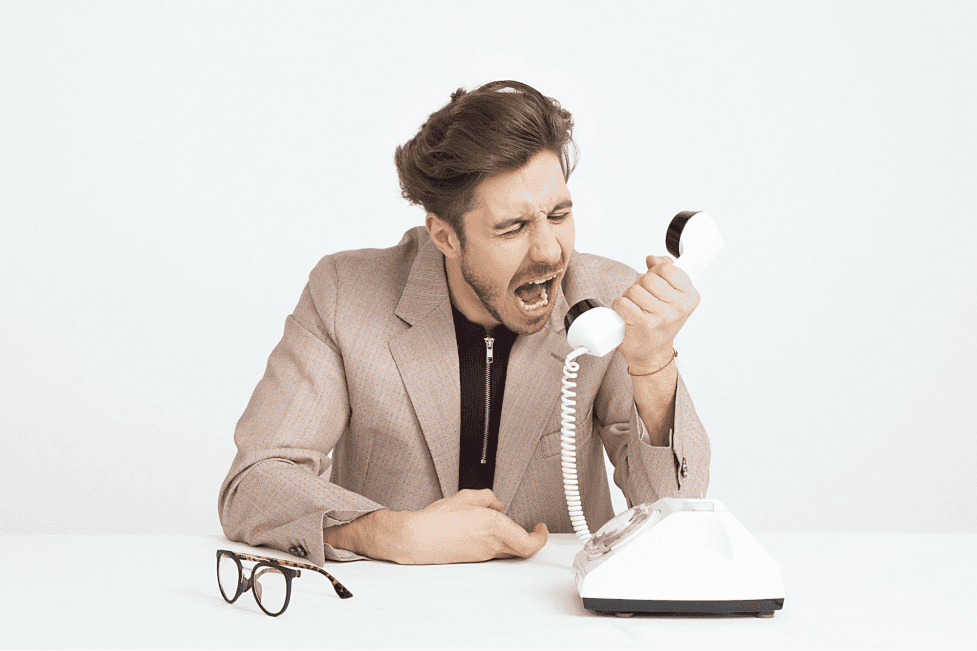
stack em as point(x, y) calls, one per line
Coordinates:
point(495, 299)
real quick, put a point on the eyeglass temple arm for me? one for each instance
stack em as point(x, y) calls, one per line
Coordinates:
point(337, 586)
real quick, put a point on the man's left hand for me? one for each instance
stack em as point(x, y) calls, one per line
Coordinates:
point(654, 309)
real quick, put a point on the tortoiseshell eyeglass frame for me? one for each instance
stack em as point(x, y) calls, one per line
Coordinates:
point(278, 564)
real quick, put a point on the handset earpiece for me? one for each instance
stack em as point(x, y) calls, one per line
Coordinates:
point(694, 240)
point(692, 237)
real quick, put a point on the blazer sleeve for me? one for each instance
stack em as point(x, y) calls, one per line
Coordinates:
point(274, 493)
point(644, 472)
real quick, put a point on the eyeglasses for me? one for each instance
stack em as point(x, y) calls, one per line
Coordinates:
point(270, 580)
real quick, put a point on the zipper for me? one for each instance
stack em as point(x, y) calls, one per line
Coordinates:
point(488, 396)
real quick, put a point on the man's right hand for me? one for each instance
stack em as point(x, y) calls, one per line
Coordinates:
point(467, 527)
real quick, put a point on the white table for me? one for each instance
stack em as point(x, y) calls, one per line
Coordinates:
point(887, 591)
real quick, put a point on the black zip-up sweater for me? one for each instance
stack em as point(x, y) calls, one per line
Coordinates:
point(472, 362)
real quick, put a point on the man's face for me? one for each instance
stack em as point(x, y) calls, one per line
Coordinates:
point(521, 230)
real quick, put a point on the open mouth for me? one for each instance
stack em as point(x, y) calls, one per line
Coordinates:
point(535, 295)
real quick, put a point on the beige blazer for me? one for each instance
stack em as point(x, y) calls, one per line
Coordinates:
point(368, 369)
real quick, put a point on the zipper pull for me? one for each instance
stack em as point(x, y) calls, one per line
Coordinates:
point(488, 349)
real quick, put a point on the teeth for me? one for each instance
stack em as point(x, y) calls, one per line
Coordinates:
point(542, 302)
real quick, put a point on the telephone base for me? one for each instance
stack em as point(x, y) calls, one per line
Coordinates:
point(759, 607)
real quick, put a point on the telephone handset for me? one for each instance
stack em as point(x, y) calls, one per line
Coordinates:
point(595, 329)
point(676, 555)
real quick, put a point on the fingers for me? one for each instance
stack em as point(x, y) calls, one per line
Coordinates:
point(537, 539)
point(484, 497)
point(633, 315)
point(651, 294)
point(637, 303)
point(661, 281)
point(663, 267)
point(630, 312)
point(540, 534)
point(656, 294)
point(520, 543)
point(467, 527)
point(513, 539)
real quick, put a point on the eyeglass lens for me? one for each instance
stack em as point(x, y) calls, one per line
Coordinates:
point(269, 585)
point(228, 576)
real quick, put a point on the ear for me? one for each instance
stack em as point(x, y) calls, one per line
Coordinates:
point(443, 236)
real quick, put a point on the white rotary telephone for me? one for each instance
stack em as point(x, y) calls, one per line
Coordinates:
point(676, 555)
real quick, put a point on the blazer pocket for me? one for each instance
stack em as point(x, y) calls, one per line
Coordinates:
point(549, 444)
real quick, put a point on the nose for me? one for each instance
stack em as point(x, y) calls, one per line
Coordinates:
point(544, 246)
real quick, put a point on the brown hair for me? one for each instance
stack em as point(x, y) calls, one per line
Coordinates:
point(497, 127)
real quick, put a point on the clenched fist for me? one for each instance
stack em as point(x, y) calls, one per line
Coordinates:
point(654, 309)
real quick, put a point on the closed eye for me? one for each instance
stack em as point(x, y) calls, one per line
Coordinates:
point(556, 218)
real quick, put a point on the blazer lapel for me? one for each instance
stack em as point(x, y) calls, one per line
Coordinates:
point(532, 391)
point(427, 358)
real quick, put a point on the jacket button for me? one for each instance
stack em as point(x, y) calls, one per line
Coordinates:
point(300, 551)
point(293, 550)
point(685, 469)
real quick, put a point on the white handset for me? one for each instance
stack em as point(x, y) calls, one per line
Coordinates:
point(595, 329)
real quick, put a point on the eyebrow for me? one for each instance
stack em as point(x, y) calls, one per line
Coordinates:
point(566, 203)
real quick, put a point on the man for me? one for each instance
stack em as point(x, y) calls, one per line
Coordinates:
point(432, 370)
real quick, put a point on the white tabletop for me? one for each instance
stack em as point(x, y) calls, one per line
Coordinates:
point(888, 591)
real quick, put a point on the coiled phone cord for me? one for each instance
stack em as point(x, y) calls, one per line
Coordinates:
point(571, 486)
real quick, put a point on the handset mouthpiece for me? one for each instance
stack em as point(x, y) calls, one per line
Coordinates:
point(592, 325)
point(694, 240)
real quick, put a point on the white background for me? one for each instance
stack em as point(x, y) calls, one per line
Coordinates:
point(171, 172)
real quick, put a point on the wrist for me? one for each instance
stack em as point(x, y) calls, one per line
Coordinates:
point(382, 536)
point(651, 363)
point(369, 535)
